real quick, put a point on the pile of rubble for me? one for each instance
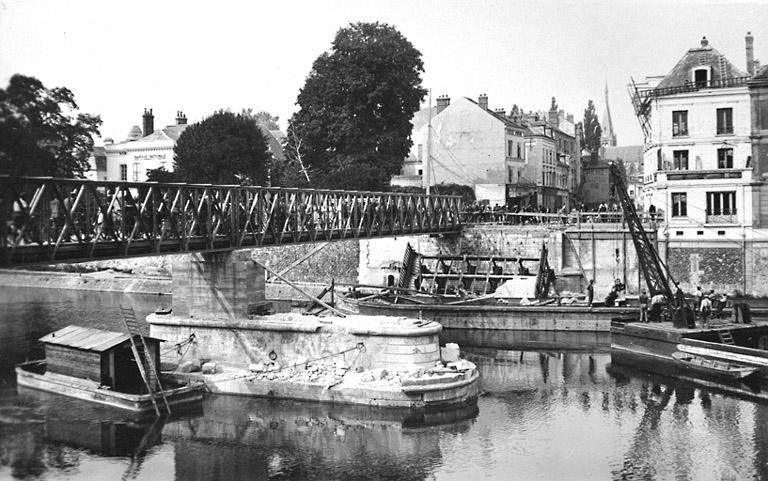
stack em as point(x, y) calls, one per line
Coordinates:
point(326, 371)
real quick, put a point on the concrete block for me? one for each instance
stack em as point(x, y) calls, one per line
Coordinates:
point(450, 353)
point(188, 366)
point(209, 368)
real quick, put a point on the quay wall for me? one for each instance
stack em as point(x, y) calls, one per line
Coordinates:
point(603, 252)
point(337, 261)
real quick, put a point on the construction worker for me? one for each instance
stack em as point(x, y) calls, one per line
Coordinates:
point(643, 299)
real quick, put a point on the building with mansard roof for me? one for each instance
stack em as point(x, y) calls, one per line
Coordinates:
point(697, 155)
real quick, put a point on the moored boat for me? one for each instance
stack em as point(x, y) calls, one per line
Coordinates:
point(33, 375)
point(714, 367)
point(101, 367)
point(490, 312)
point(486, 292)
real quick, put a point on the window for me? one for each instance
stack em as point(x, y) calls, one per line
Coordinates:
point(421, 171)
point(701, 76)
point(519, 156)
point(659, 165)
point(123, 172)
point(725, 121)
point(724, 158)
point(721, 203)
point(679, 204)
point(679, 123)
point(762, 114)
point(680, 159)
point(510, 148)
point(136, 171)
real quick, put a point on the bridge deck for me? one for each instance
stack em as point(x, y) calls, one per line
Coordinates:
point(47, 220)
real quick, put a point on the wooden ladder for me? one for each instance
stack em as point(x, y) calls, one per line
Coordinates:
point(725, 336)
point(144, 359)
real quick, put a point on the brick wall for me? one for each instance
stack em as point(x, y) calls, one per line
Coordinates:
point(718, 268)
point(337, 260)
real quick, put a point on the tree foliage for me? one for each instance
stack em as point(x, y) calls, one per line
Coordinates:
point(41, 133)
point(592, 129)
point(262, 117)
point(354, 124)
point(161, 175)
point(225, 148)
point(466, 192)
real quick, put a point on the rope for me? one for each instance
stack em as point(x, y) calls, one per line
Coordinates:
point(178, 363)
point(359, 346)
point(177, 347)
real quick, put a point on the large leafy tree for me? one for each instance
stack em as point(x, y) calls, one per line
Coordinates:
point(354, 124)
point(225, 148)
point(41, 133)
point(592, 129)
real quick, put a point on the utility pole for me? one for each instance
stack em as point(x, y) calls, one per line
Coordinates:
point(427, 167)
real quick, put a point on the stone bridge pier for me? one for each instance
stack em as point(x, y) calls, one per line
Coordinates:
point(220, 285)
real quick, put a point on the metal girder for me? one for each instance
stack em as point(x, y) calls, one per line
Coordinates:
point(48, 220)
point(656, 274)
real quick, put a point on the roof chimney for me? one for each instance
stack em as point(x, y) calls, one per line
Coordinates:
point(181, 119)
point(443, 101)
point(482, 101)
point(501, 112)
point(750, 41)
point(704, 42)
point(149, 122)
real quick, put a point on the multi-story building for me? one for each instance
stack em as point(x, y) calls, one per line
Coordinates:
point(546, 167)
point(697, 155)
point(466, 143)
point(521, 160)
point(758, 92)
point(143, 151)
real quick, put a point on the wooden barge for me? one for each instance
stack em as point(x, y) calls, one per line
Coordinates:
point(744, 345)
point(101, 367)
point(485, 292)
point(495, 313)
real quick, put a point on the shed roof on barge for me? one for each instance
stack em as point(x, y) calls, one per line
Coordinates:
point(102, 356)
point(87, 339)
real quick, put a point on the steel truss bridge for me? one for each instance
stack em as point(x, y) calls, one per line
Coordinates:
point(48, 220)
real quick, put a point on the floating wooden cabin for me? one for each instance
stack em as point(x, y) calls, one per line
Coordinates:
point(101, 356)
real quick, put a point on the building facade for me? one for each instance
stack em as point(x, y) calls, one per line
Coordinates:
point(697, 156)
point(466, 143)
point(518, 160)
point(143, 151)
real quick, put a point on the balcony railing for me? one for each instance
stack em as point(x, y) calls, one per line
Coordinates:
point(722, 218)
point(694, 86)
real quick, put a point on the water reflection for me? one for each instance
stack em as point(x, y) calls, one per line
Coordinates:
point(241, 438)
point(556, 406)
point(28, 314)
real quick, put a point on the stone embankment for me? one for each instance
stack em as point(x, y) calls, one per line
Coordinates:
point(152, 275)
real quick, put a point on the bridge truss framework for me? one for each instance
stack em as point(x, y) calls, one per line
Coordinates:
point(48, 220)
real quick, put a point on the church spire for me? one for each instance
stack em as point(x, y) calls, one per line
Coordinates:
point(608, 136)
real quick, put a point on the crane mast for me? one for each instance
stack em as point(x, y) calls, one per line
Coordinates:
point(656, 274)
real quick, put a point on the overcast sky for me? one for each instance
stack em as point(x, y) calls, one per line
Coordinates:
point(119, 57)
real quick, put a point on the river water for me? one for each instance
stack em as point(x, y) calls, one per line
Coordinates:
point(555, 408)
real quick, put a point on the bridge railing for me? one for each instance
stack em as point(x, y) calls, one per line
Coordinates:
point(50, 220)
point(571, 218)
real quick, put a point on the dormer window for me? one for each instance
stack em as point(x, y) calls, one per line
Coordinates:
point(701, 76)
